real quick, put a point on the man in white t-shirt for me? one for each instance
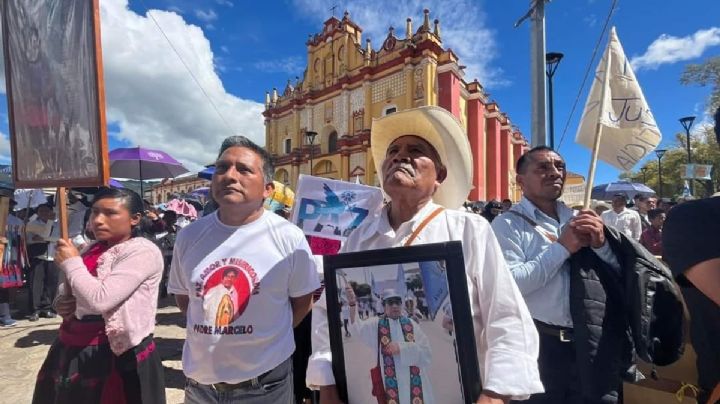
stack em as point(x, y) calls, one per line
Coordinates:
point(244, 277)
point(625, 220)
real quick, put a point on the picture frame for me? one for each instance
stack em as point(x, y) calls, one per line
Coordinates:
point(432, 343)
point(55, 93)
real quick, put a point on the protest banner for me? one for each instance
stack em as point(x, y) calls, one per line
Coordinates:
point(573, 194)
point(617, 124)
point(55, 96)
point(55, 93)
point(331, 208)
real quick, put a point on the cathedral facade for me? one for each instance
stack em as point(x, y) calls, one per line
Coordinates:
point(320, 124)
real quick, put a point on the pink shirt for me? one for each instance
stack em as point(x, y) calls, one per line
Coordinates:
point(125, 290)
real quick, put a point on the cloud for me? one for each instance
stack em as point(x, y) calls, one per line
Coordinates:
point(591, 20)
point(152, 98)
point(288, 65)
point(206, 16)
point(670, 49)
point(463, 27)
point(224, 3)
point(225, 49)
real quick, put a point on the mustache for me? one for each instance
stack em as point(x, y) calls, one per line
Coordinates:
point(406, 167)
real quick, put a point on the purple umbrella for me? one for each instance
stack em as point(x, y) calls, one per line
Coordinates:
point(143, 164)
point(115, 183)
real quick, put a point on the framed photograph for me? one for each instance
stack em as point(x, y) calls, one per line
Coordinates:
point(53, 72)
point(401, 330)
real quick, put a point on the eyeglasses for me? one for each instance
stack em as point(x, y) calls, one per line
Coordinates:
point(393, 300)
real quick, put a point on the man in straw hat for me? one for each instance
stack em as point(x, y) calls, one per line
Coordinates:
point(423, 158)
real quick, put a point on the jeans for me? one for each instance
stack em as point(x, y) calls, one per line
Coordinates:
point(275, 387)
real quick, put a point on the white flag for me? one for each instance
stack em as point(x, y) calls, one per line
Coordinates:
point(629, 131)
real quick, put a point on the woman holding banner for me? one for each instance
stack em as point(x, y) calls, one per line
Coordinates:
point(105, 350)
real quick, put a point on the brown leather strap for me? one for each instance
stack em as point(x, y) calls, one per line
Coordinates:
point(422, 225)
point(537, 228)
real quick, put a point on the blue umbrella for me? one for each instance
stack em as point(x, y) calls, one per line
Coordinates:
point(207, 173)
point(605, 192)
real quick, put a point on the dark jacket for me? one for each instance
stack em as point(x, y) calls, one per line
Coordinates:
point(603, 342)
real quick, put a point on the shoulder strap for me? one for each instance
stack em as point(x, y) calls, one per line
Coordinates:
point(551, 237)
point(422, 225)
point(524, 216)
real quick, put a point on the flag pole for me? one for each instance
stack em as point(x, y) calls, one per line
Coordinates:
point(598, 133)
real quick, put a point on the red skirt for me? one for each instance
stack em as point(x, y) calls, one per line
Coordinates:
point(80, 368)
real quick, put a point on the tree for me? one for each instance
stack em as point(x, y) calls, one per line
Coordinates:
point(703, 74)
point(362, 289)
point(414, 283)
point(705, 150)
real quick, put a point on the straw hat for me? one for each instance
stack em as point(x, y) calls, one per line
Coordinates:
point(438, 127)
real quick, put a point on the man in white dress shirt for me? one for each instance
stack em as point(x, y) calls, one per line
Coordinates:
point(620, 217)
point(425, 165)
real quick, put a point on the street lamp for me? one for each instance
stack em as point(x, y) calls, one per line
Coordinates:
point(310, 138)
point(552, 60)
point(660, 153)
point(644, 171)
point(687, 123)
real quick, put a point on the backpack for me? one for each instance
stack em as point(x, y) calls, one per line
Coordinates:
point(654, 304)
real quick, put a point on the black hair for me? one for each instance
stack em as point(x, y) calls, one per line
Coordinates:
point(487, 210)
point(241, 141)
point(523, 160)
point(130, 199)
point(168, 214)
point(86, 219)
point(507, 200)
point(654, 213)
point(229, 270)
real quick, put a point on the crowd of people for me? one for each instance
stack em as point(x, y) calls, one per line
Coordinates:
point(246, 278)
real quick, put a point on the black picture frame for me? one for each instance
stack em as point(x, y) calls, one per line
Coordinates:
point(448, 252)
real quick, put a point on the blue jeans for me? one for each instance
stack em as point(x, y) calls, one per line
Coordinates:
point(275, 387)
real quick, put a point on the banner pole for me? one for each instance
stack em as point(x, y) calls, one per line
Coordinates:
point(61, 203)
point(598, 132)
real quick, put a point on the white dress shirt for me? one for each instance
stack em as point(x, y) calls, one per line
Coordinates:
point(49, 233)
point(505, 336)
point(627, 221)
point(539, 265)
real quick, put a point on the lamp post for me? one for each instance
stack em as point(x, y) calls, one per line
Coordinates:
point(310, 138)
point(552, 60)
point(644, 172)
point(660, 153)
point(687, 123)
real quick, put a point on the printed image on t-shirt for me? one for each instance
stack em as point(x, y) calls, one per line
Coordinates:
point(226, 286)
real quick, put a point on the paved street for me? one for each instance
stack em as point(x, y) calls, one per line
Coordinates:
point(23, 348)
